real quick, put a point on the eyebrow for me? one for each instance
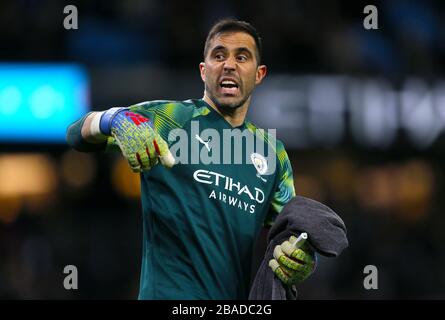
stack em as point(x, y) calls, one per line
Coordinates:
point(240, 49)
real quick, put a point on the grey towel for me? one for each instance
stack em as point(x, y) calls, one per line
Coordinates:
point(327, 235)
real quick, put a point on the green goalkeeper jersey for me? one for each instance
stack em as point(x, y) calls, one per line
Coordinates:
point(202, 217)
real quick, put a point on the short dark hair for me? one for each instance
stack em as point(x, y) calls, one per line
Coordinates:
point(228, 25)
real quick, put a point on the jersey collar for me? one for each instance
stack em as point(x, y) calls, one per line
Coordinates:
point(203, 103)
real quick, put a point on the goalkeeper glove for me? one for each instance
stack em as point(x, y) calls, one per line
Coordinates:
point(293, 264)
point(140, 144)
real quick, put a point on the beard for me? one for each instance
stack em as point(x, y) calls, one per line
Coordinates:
point(227, 103)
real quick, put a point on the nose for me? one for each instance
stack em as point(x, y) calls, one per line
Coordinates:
point(230, 64)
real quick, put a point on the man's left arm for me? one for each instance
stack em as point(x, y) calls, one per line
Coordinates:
point(291, 264)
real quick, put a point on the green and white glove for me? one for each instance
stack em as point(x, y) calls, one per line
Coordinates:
point(140, 144)
point(294, 261)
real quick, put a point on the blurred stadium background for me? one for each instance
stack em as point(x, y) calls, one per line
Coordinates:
point(362, 113)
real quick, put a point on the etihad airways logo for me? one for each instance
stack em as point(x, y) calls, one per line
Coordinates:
point(231, 190)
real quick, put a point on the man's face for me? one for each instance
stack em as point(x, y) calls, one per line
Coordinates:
point(231, 71)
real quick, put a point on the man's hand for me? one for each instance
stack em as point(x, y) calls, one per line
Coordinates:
point(140, 144)
point(292, 264)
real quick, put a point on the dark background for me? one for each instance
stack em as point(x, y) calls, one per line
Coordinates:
point(360, 112)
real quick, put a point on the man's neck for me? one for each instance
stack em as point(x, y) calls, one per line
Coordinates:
point(234, 116)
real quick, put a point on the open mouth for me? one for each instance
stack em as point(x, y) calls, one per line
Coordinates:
point(229, 87)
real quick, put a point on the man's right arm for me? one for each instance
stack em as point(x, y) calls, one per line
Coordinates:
point(135, 135)
point(81, 137)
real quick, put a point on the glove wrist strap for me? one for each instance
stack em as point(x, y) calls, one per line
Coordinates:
point(107, 118)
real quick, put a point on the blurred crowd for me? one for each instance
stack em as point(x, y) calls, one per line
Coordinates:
point(300, 36)
point(85, 210)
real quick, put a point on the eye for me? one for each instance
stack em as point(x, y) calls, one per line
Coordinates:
point(241, 58)
point(219, 56)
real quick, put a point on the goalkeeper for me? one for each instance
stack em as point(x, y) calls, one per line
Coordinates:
point(200, 221)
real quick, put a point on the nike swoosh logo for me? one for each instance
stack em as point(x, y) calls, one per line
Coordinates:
point(259, 176)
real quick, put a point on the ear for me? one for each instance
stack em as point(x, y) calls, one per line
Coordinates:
point(260, 74)
point(202, 70)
